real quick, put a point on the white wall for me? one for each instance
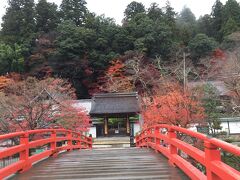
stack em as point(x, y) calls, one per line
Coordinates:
point(136, 128)
point(93, 131)
point(233, 126)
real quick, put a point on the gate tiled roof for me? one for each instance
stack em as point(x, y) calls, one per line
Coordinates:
point(115, 103)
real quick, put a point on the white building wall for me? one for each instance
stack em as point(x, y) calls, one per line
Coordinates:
point(136, 128)
point(224, 126)
point(93, 131)
point(234, 127)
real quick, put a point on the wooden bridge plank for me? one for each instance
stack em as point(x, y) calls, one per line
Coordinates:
point(104, 164)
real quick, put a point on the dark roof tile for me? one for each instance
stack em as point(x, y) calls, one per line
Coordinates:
point(115, 103)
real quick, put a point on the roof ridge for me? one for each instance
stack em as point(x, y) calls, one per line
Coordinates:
point(115, 94)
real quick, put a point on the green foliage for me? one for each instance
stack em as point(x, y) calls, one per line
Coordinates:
point(74, 10)
point(74, 41)
point(11, 59)
point(77, 42)
point(231, 41)
point(133, 9)
point(201, 45)
point(217, 20)
point(151, 37)
point(186, 16)
point(186, 23)
point(210, 102)
point(231, 160)
point(18, 23)
point(204, 25)
point(170, 15)
point(47, 16)
point(230, 18)
point(230, 27)
point(154, 12)
point(231, 10)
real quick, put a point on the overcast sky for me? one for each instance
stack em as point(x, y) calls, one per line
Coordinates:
point(115, 8)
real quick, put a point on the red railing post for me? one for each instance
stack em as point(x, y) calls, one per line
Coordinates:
point(172, 149)
point(69, 141)
point(156, 134)
point(79, 142)
point(211, 154)
point(24, 155)
point(53, 144)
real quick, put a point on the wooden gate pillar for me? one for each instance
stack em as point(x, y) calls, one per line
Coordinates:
point(128, 126)
point(105, 126)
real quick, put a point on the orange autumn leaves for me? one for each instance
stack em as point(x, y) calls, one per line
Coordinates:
point(174, 108)
point(4, 81)
point(8, 79)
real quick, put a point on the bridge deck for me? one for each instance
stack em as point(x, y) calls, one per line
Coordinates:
point(104, 164)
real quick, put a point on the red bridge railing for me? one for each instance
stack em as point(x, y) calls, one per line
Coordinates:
point(164, 139)
point(28, 140)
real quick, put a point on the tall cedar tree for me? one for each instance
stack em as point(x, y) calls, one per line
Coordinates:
point(74, 10)
point(132, 10)
point(154, 12)
point(18, 23)
point(47, 16)
point(217, 20)
point(186, 21)
point(231, 10)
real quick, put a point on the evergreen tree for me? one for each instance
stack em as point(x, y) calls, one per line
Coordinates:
point(154, 38)
point(132, 10)
point(74, 10)
point(47, 16)
point(11, 59)
point(201, 45)
point(217, 20)
point(186, 23)
point(186, 16)
point(229, 27)
point(170, 15)
point(18, 23)
point(211, 103)
point(154, 12)
point(204, 25)
point(231, 10)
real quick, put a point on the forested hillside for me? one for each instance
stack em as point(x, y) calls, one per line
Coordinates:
point(96, 54)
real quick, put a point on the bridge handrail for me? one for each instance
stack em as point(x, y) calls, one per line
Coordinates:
point(25, 144)
point(163, 138)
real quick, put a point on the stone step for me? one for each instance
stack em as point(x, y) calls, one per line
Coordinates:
point(125, 138)
point(111, 145)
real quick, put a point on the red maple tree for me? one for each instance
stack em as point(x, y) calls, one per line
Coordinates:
point(33, 104)
point(115, 80)
point(175, 107)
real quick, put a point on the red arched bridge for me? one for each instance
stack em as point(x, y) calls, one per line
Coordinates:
point(195, 155)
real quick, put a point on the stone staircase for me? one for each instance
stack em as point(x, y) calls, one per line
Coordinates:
point(111, 142)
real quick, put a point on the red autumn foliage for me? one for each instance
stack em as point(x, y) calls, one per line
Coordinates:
point(33, 104)
point(70, 117)
point(4, 81)
point(115, 79)
point(219, 54)
point(115, 69)
point(174, 108)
